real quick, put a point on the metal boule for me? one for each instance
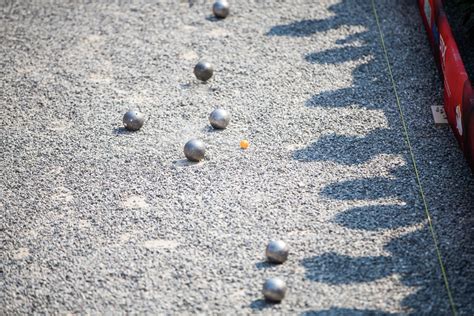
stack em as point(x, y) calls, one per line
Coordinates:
point(277, 251)
point(274, 290)
point(221, 9)
point(203, 70)
point(133, 120)
point(194, 150)
point(219, 118)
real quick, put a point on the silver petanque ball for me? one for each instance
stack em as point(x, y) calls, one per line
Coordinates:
point(133, 120)
point(277, 251)
point(221, 9)
point(274, 290)
point(194, 150)
point(203, 70)
point(219, 118)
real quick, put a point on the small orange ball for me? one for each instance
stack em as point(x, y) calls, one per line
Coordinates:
point(244, 144)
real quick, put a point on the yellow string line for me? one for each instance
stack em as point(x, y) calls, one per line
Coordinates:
point(415, 167)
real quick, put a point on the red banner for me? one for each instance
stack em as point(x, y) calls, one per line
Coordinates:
point(458, 92)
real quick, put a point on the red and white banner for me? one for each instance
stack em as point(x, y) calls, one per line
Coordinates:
point(458, 91)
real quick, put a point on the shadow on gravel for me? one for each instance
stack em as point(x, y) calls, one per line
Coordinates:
point(264, 265)
point(364, 93)
point(332, 268)
point(350, 149)
point(121, 131)
point(377, 217)
point(185, 163)
point(338, 55)
point(412, 257)
point(212, 18)
point(303, 28)
point(210, 129)
point(374, 188)
point(261, 304)
point(406, 263)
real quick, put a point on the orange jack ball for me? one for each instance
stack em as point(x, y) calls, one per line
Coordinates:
point(244, 144)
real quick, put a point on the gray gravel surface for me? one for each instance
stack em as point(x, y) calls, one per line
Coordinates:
point(99, 220)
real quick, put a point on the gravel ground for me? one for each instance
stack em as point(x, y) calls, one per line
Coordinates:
point(99, 220)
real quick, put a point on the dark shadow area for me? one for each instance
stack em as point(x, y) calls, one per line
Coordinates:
point(303, 28)
point(308, 27)
point(185, 163)
point(333, 268)
point(367, 189)
point(261, 304)
point(364, 93)
point(121, 131)
point(407, 259)
point(264, 265)
point(338, 55)
point(412, 257)
point(378, 217)
point(210, 129)
point(334, 311)
point(348, 150)
point(213, 18)
point(345, 97)
point(347, 13)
